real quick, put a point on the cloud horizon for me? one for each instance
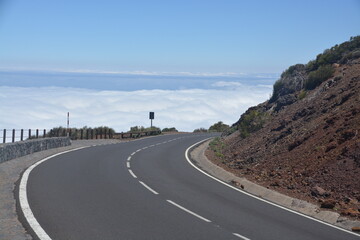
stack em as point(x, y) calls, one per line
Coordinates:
point(186, 110)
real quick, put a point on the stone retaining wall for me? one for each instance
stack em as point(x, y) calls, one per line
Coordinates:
point(10, 151)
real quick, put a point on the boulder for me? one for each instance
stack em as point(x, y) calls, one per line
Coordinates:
point(319, 192)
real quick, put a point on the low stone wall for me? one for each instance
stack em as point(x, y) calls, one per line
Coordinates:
point(10, 151)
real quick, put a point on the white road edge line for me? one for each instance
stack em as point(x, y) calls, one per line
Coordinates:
point(148, 188)
point(241, 236)
point(132, 173)
point(128, 164)
point(129, 158)
point(258, 198)
point(188, 211)
point(24, 203)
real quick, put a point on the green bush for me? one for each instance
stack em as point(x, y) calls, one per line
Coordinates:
point(217, 146)
point(302, 94)
point(337, 54)
point(218, 127)
point(169, 130)
point(200, 130)
point(251, 122)
point(138, 129)
point(315, 78)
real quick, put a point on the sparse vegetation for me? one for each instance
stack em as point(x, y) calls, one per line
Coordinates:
point(321, 68)
point(218, 127)
point(217, 146)
point(276, 89)
point(137, 129)
point(169, 130)
point(251, 121)
point(291, 70)
point(302, 94)
point(318, 76)
point(200, 130)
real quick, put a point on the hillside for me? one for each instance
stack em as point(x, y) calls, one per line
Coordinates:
point(304, 141)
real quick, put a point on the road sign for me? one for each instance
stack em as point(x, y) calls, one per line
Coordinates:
point(151, 116)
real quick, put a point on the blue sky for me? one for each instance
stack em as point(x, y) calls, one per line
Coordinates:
point(193, 62)
point(171, 36)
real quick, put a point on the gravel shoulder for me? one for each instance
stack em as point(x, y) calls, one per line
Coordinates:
point(199, 158)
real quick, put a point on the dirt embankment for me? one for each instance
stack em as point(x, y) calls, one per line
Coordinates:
point(309, 147)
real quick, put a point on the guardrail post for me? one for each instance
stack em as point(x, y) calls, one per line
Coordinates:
point(4, 136)
point(13, 135)
point(81, 134)
point(29, 136)
point(22, 135)
point(44, 133)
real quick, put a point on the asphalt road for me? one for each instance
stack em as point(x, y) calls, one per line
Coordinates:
point(146, 189)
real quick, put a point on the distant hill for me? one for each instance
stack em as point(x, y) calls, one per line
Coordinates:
point(305, 140)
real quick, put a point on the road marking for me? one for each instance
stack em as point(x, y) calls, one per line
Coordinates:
point(129, 158)
point(148, 188)
point(258, 198)
point(132, 173)
point(132, 154)
point(152, 145)
point(241, 236)
point(138, 150)
point(144, 148)
point(188, 211)
point(128, 164)
point(24, 203)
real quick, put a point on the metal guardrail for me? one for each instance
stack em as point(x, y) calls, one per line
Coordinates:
point(15, 135)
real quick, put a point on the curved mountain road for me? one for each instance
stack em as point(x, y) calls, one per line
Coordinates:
point(146, 189)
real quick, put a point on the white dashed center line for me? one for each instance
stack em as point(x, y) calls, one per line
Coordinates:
point(148, 188)
point(241, 236)
point(188, 211)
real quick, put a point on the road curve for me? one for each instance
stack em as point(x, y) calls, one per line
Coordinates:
point(146, 189)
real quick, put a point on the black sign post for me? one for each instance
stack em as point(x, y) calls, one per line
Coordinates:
point(151, 117)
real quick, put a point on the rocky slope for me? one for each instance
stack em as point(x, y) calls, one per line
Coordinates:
point(304, 141)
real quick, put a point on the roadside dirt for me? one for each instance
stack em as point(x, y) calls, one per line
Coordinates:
point(308, 150)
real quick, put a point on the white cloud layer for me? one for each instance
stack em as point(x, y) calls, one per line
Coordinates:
point(186, 110)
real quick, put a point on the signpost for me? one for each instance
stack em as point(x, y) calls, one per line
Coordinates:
point(151, 117)
point(68, 124)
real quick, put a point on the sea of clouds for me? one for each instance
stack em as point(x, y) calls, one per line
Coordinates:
point(185, 109)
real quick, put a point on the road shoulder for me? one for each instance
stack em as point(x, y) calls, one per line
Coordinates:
point(200, 160)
